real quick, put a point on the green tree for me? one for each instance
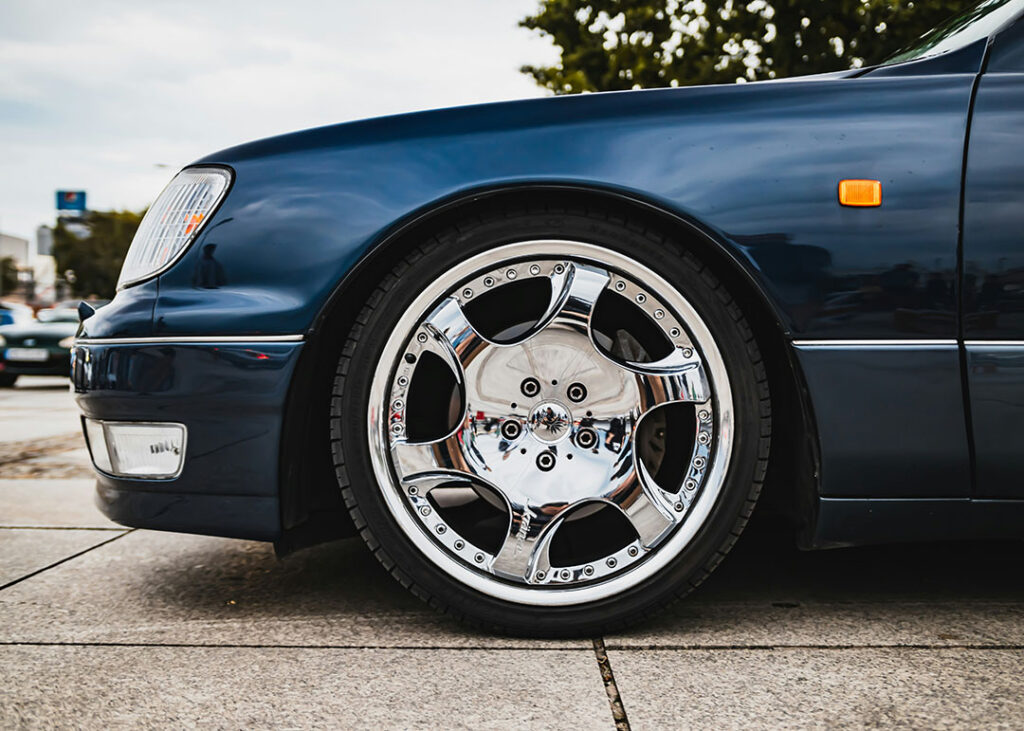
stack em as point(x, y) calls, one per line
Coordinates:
point(8, 275)
point(626, 44)
point(96, 251)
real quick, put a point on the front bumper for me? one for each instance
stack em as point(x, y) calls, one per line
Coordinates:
point(231, 398)
point(55, 365)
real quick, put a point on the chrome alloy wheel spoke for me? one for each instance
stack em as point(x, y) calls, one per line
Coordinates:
point(546, 425)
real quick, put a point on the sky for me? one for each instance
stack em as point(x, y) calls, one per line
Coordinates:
point(112, 97)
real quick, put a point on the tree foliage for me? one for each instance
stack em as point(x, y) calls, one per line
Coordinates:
point(96, 257)
point(625, 44)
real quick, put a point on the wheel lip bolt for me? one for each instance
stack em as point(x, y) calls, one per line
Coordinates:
point(633, 551)
point(565, 575)
point(586, 438)
point(511, 429)
point(459, 545)
point(679, 507)
point(620, 285)
point(422, 337)
point(576, 392)
point(612, 562)
point(539, 576)
point(530, 387)
point(588, 570)
point(534, 270)
point(467, 293)
point(546, 461)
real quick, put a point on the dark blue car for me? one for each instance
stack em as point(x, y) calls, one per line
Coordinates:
point(543, 356)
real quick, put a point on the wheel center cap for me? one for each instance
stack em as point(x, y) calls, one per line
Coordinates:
point(550, 421)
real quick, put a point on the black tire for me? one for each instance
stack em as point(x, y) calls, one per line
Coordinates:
point(645, 244)
point(8, 380)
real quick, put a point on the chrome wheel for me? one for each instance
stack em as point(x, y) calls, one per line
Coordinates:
point(550, 419)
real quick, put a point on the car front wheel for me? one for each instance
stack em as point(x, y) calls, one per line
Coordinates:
point(550, 423)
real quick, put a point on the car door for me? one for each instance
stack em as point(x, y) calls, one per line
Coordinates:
point(993, 250)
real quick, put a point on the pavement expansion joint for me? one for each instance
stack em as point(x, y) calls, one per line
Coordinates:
point(65, 560)
point(610, 687)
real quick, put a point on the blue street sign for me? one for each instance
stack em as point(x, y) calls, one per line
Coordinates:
point(71, 200)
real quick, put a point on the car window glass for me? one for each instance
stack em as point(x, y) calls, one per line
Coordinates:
point(975, 23)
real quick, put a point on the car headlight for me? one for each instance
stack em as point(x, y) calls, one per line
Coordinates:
point(68, 342)
point(173, 222)
point(2, 341)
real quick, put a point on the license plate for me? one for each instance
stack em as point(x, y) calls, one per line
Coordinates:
point(33, 354)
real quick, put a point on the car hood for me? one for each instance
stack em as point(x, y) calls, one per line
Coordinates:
point(494, 116)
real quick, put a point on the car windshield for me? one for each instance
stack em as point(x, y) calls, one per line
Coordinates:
point(977, 22)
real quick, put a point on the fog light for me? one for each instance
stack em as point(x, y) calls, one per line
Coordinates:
point(145, 450)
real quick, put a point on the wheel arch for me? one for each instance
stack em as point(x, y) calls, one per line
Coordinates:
point(310, 500)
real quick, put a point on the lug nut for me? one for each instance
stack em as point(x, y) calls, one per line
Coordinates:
point(511, 429)
point(530, 387)
point(586, 438)
point(545, 461)
point(576, 392)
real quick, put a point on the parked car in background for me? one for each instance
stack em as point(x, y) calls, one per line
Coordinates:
point(543, 355)
point(12, 312)
point(37, 347)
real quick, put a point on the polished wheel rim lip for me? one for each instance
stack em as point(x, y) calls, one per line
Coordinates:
point(469, 569)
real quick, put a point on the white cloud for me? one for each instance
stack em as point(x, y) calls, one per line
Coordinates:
point(93, 95)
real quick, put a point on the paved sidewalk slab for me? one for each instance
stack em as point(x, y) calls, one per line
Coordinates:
point(133, 687)
point(25, 551)
point(767, 593)
point(39, 406)
point(805, 688)
point(150, 587)
point(65, 503)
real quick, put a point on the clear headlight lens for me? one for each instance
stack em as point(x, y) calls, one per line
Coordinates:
point(2, 341)
point(173, 221)
point(68, 342)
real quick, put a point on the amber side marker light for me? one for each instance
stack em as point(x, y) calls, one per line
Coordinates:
point(860, 192)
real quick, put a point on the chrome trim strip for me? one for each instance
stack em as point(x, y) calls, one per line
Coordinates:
point(873, 343)
point(994, 343)
point(188, 339)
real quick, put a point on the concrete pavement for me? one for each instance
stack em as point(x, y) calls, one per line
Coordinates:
point(102, 626)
